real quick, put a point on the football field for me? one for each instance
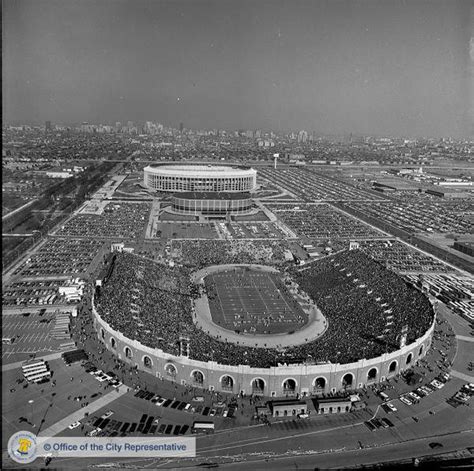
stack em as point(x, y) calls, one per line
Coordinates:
point(248, 301)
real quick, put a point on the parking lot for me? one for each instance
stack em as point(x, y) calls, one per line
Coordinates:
point(33, 333)
point(32, 292)
point(421, 216)
point(61, 257)
point(401, 257)
point(313, 187)
point(123, 220)
point(323, 221)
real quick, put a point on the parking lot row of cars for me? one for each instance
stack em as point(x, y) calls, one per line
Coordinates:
point(413, 397)
point(104, 426)
point(462, 396)
point(61, 257)
point(102, 377)
point(159, 401)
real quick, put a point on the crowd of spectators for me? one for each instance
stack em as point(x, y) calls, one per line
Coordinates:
point(119, 220)
point(201, 253)
point(365, 304)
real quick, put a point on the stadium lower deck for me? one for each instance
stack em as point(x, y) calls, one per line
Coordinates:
point(252, 302)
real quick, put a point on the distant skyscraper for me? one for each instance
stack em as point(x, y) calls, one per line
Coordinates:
point(181, 127)
point(47, 126)
point(302, 136)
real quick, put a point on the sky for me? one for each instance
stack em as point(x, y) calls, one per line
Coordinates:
point(384, 67)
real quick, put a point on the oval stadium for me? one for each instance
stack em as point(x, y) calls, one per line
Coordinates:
point(200, 178)
point(341, 323)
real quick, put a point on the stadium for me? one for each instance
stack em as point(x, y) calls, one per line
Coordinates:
point(200, 178)
point(371, 325)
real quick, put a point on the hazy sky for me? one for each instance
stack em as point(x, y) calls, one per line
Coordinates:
point(374, 67)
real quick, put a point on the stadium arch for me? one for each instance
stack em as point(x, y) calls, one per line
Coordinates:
point(258, 385)
point(348, 380)
point(227, 382)
point(147, 362)
point(319, 384)
point(197, 377)
point(372, 374)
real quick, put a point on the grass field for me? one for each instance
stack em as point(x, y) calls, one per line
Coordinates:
point(253, 302)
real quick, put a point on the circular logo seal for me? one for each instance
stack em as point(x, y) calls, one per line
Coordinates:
point(22, 447)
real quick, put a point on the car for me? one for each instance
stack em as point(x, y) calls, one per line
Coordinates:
point(96, 395)
point(420, 392)
point(383, 423)
point(387, 421)
point(160, 401)
point(415, 418)
point(224, 414)
point(212, 413)
point(303, 416)
point(370, 426)
point(389, 407)
point(74, 425)
point(115, 383)
point(435, 445)
point(162, 428)
point(107, 414)
point(101, 378)
point(94, 432)
point(405, 400)
point(414, 397)
point(187, 407)
point(376, 422)
point(155, 398)
point(437, 384)
point(426, 390)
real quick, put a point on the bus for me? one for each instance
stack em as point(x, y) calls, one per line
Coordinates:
point(39, 376)
point(203, 427)
point(8, 340)
point(33, 363)
point(32, 371)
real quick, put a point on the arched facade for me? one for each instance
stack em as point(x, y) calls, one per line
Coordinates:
point(263, 381)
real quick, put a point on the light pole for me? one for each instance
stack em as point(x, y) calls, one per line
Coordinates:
point(30, 402)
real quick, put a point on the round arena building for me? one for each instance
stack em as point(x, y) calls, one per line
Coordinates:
point(200, 178)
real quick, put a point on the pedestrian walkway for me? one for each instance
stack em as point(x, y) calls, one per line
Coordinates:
point(18, 364)
point(464, 338)
point(79, 415)
point(465, 377)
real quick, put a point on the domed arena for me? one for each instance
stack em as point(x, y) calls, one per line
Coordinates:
point(342, 322)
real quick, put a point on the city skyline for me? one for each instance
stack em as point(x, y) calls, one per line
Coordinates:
point(385, 68)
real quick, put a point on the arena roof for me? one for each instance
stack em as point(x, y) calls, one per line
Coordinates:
point(199, 169)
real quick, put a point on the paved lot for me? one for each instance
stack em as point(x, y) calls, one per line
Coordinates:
point(32, 335)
